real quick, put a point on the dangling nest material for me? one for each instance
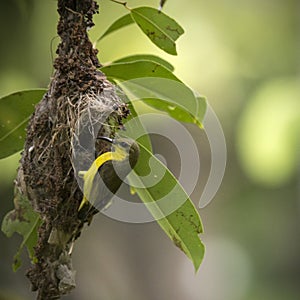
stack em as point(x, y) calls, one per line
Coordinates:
point(79, 106)
point(98, 115)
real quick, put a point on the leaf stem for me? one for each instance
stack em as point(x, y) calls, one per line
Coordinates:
point(121, 2)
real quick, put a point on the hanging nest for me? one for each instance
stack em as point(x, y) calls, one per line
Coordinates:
point(80, 105)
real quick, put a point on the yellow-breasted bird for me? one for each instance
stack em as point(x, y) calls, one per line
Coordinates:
point(113, 166)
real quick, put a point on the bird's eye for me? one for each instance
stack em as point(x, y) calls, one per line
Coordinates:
point(124, 145)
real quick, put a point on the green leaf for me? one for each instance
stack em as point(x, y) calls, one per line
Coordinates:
point(15, 110)
point(162, 30)
point(137, 129)
point(137, 69)
point(170, 205)
point(118, 24)
point(146, 57)
point(24, 221)
point(172, 97)
point(178, 112)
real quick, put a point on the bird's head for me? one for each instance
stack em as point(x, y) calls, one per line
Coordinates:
point(122, 147)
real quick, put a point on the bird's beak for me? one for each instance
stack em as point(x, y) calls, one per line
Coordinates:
point(105, 138)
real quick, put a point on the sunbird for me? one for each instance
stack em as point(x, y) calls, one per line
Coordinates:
point(113, 167)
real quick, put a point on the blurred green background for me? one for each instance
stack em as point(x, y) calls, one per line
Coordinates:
point(244, 56)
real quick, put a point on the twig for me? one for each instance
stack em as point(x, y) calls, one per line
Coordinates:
point(120, 2)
